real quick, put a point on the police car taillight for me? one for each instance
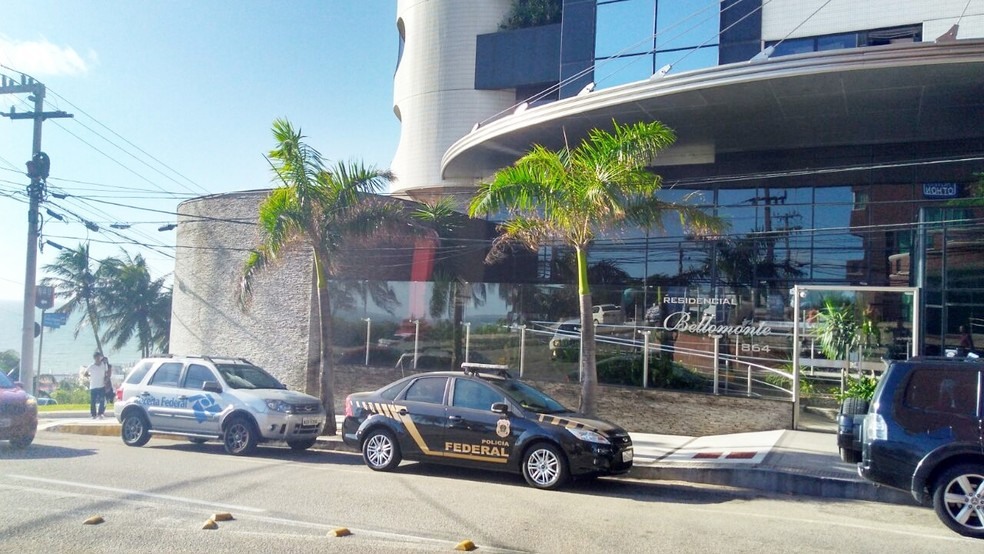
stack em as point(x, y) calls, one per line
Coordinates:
point(119, 393)
point(348, 407)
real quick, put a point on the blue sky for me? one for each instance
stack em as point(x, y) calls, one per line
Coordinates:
point(174, 100)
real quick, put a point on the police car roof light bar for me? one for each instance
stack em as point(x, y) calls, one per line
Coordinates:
point(472, 368)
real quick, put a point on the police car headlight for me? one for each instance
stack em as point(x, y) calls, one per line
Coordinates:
point(278, 406)
point(589, 436)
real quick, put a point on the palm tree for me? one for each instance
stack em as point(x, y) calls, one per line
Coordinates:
point(570, 196)
point(133, 305)
point(75, 281)
point(321, 207)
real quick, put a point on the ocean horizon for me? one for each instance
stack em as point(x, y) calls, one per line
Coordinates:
point(61, 354)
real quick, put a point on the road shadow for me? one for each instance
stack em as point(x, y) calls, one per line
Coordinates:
point(641, 491)
point(39, 451)
point(267, 451)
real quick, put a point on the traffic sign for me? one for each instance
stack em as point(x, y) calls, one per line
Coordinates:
point(54, 320)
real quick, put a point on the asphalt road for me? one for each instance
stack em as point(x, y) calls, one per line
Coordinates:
point(157, 499)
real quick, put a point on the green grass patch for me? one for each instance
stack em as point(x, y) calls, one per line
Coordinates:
point(65, 407)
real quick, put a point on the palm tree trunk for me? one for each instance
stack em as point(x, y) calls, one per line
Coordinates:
point(327, 363)
point(94, 323)
point(589, 369)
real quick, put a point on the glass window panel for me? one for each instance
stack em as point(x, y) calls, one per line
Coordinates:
point(624, 27)
point(795, 46)
point(688, 60)
point(428, 389)
point(619, 71)
point(687, 24)
point(836, 42)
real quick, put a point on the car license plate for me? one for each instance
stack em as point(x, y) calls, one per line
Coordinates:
point(310, 420)
point(627, 455)
point(4, 422)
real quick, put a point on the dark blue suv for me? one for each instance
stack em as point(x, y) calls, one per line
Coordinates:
point(923, 434)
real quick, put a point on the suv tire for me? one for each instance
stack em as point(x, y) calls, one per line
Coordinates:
point(380, 450)
point(302, 444)
point(135, 430)
point(240, 436)
point(545, 467)
point(22, 441)
point(957, 489)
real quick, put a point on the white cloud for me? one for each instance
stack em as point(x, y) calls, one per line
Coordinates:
point(42, 58)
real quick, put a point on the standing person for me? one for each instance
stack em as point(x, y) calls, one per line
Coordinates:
point(96, 373)
point(966, 345)
point(108, 383)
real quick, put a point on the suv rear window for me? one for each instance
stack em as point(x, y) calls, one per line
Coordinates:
point(167, 375)
point(137, 373)
point(942, 391)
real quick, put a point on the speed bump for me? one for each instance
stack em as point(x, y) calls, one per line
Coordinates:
point(210, 524)
point(222, 516)
point(466, 545)
point(340, 532)
point(94, 520)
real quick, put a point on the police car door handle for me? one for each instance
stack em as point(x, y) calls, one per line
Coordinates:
point(454, 420)
point(182, 397)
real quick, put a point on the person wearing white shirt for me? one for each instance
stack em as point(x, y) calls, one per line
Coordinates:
point(96, 373)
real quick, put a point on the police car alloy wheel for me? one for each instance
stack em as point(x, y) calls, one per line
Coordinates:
point(958, 499)
point(240, 437)
point(380, 451)
point(135, 430)
point(544, 467)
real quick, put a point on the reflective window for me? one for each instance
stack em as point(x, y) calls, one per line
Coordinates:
point(937, 390)
point(197, 375)
point(635, 38)
point(835, 42)
point(167, 375)
point(474, 395)
point(624, 27)
point(427, 389)
point(137, 373)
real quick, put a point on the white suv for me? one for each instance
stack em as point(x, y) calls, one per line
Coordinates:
point(205, 398)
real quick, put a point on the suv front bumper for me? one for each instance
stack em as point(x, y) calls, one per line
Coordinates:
point(280, 426)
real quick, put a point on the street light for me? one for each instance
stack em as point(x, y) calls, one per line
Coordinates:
point(416, 341)
point(368, 321)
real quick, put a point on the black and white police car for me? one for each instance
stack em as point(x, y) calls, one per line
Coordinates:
point(483, 418)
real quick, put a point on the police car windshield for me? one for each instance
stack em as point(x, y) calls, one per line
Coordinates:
point(248, 377)
point(530, 398)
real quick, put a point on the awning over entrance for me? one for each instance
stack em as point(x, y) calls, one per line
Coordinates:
point(917, 92)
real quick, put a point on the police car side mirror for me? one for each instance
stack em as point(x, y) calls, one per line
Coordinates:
point(211, 386)
point(500, 408)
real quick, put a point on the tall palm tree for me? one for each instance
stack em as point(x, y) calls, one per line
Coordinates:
point(571, 195)
point(321, 207)
point(75, 281)
point(133, 305)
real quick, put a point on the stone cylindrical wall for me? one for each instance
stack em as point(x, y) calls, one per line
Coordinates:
point(214, 236)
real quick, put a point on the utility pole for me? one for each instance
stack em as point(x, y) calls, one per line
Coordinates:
point(37, 170)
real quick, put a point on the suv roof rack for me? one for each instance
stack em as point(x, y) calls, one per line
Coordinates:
point(472, 368)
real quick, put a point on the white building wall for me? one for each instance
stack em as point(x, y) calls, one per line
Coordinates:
point(782, 17)
point(434, 92)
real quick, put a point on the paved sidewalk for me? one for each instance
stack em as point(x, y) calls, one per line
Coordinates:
point(782, 461)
